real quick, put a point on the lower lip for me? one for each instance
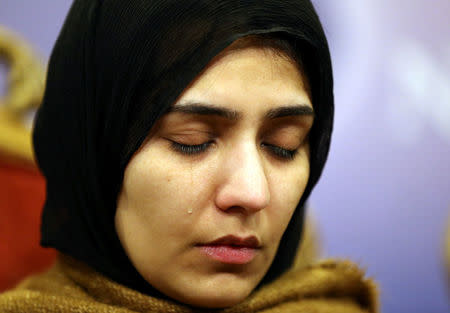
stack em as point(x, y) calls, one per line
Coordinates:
point(229, 254)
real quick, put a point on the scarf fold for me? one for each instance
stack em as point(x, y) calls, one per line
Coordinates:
point(72, 286)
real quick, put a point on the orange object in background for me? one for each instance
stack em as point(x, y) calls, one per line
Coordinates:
point(22, 187)
point(22, 194)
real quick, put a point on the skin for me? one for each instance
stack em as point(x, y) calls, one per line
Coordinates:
point(172, 201)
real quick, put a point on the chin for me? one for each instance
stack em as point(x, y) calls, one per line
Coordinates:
point(216, 301)
point(214, 297)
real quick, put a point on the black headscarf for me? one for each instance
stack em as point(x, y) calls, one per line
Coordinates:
point(116, 68)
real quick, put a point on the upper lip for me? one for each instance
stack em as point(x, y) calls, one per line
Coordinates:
point(232, 240)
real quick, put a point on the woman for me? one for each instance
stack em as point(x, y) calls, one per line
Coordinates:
point(180, 141)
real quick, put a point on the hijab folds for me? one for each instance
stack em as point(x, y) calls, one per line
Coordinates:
point(116, 68)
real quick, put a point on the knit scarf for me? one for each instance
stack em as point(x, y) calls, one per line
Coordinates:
point(72, 286)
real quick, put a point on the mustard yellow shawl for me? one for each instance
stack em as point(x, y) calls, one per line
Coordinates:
point(71, 286)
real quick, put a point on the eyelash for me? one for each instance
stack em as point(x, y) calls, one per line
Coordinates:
point(190, 149)
point(284, 154)
point(281, 152)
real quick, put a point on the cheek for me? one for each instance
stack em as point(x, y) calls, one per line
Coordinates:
point(154, 177)
point(145, 183)
point(162, 192)
point(287, 190)
point(145, 202)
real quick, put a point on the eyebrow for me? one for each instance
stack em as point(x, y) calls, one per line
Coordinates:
point(199, 108)
point(292, 110)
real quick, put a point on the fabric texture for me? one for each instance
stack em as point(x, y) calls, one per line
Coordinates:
point(71, 286)
point(117, 67)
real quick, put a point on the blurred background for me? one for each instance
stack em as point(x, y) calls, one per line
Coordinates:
point(384, 198)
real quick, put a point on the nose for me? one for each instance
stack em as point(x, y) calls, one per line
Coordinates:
point(244, 185)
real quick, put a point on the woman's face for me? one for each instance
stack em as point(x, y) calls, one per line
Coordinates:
point(230, 159)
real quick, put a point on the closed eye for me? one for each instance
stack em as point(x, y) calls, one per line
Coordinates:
point(185, 149)
point(281, 152)
point(190, 149)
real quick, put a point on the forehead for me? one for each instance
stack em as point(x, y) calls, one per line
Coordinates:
point(251, 75)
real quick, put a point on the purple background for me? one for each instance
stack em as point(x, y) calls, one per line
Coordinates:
point(383, 200)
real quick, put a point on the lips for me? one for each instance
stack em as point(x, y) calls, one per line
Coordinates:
point(231, 240)
point(232, 249)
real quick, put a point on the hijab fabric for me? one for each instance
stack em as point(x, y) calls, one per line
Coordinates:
point(116, 68)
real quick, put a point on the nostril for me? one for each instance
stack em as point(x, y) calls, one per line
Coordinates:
point(236, 210)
